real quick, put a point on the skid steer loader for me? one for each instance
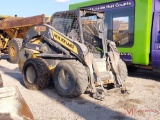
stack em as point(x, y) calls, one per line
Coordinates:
point(74, 53)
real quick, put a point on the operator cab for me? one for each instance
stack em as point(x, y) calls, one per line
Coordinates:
point(84, 26)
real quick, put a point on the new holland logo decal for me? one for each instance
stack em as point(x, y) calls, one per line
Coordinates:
point(66, 43)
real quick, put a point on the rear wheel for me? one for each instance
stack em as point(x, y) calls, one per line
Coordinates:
point(122, 70)
point(36, 74)
point(70, 78)
point(1, 81)
point(13, 49)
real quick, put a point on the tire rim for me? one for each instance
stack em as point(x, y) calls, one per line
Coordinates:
point(64, 79)
point(13, 51)
point(31, 74)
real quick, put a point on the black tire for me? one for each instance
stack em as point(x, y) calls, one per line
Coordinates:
point(77, 82)
point(36, 74)
point(14, 46)
point(122, 70)
point(132, 68)
point(1, 81)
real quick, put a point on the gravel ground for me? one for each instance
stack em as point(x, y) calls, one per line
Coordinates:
point(142, 102)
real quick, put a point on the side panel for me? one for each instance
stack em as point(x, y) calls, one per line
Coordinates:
point(156, 36)
point(156, 5)
point(89, 3)
point(140, 50)
point(142, 29)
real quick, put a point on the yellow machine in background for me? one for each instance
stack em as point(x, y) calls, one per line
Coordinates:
point(13, 30)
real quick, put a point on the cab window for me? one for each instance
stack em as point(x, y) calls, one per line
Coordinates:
point(121, 30)
point(120, 24)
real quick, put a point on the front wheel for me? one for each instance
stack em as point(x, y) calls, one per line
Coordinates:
point(122, 70)
point(1, 81)
point(70, 78)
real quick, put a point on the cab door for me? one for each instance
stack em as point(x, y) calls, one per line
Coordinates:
point(156, 41)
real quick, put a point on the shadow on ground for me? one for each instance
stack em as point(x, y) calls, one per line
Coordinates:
point(88, 109)
point(146, 74)
point(16, 74)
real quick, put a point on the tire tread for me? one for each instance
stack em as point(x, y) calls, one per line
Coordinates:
point(123, 70)
point(43, 72)
point(81, 78)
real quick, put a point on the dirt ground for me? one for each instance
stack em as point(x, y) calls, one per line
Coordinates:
point(142, 102)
